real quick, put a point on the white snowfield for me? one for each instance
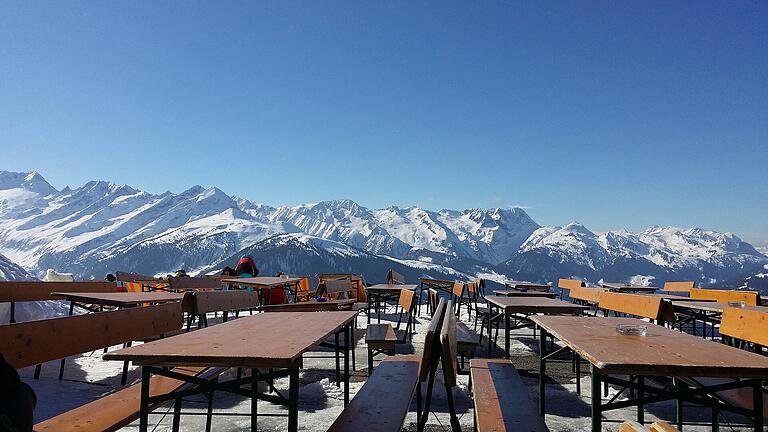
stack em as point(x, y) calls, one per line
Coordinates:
point(101, 226)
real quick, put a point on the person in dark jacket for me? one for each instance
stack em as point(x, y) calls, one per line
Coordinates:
point(17, 400)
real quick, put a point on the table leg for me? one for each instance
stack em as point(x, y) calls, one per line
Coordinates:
point(347, 338)
point(597, 415)
point(757, 396)
point(336, 347)
point(293, 401)
point(254, 400)
point(506, 334)
point(369, 300)
point(421, 294)
point(542, 371)
point(490, 338)
point(641, 395)
point(144, 403)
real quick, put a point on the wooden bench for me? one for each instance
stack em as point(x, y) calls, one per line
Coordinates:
point(679, 287)
point(751, 298)
point(381, 338)
point(643, 306)
point(395, 278)
point(659, 426)
point(747, 328)
point(357, 282)
point(186, 283)
point(202, 303)
point(569, 284)
point(12, 292)
point(501, 398)
point(383, 402)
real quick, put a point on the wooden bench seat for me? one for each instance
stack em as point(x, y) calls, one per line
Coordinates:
point(118, 409)
point(383, 402)
point(381, 339)
point(501, 399)
point(659, 426)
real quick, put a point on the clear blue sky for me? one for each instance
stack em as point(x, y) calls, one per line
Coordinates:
point(615, 114)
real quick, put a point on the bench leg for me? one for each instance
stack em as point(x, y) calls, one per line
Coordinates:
point(427, 402)
point(254, 401)
point(38, 369)
point(455, 425)
point(354, 344)
point(542, 371)
point(176, 414)
point(144, 403)
point(641, 395)
point(209, 414)
point(597, 420)
point(370, 361)
point(757, 397)
point(338, 364)
point(347, 345)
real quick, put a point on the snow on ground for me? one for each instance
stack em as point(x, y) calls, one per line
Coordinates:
point(87, 377)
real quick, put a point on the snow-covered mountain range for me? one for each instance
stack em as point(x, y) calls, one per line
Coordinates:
point(102, 227)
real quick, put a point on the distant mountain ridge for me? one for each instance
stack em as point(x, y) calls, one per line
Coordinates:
point(102, 227)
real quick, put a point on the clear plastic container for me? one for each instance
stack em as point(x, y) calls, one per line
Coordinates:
point(632, 329)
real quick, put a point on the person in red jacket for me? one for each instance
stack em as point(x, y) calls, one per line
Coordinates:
point(246, 268)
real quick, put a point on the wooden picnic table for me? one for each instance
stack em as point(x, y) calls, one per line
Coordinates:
point(628, 288)
point(443, 285)
point(516, 293)
point(310, 306)
point(523, 307)
point(376, 294)
point(267, 283)
point(270, 340)
point(119, 299)
point(530, 286)
point(663, 352)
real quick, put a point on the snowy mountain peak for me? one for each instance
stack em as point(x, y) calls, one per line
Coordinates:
point(31, 181)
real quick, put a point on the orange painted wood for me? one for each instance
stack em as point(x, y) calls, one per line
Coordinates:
point(220, 301)
point(746, 324)
point(751, 298)
point(589, 295)
point(532, 305)
point(501, 399)
point(116, 410)
point(678, 286)
point(663, 352)
point(652, 307)
point(406, 300)
point(34, 342)
point(119, 299)
point(383, 402)
point(570, 284)
point(458, 289)
point(263, 340)
point(662, 426)
point(34, 291)
point(631, 426)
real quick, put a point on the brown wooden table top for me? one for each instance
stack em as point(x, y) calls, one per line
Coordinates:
point(713, 306)
point(532, 305)
point(310, 306)
point(678, 298)
point(518, 293)
point(120, 298)
point(263, 340)
point(662, 352)
point(523, 284)
point(262, 281)
point(389, 288)
point(624, 287)
point(436, 281)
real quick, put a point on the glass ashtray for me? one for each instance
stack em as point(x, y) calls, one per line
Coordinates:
point(631, 329)
point(737, 304)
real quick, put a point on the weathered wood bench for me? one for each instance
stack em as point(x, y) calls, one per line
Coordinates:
point(383, 402)
point(381, 338)
point(501, 399)
point(570, 285)
point(679, 287)
point(747, 328)
point(12, 292)
point(643, 306)
point(659, 426)
point(751, 298)
point(201, 303)
point(395, 278)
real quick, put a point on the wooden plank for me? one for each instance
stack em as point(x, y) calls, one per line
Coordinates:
point(448, 345)
point(532, 305)
point(515, 293)
point(589, 295)
point(132, 277)
point(383, 402)
point(263, 282)
point(746, 324)
point(570, 284)
point(644, 306)
point(631, 426)
point(625, 287)
point(37, 291)
point(751, 298)
point(501, 399)
point(518, 285)
point(262, 340)
point(678, 286)
point(220, 301)
point(116, 410)
point(119, 299)
point(439, 282)
point(34, 342)
point(711, 306)
point(310, 306)
point(406, 300)
point(458, 289)
point(194, 283)
point(432, 338)
point(662, 352)
point(394, 277)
